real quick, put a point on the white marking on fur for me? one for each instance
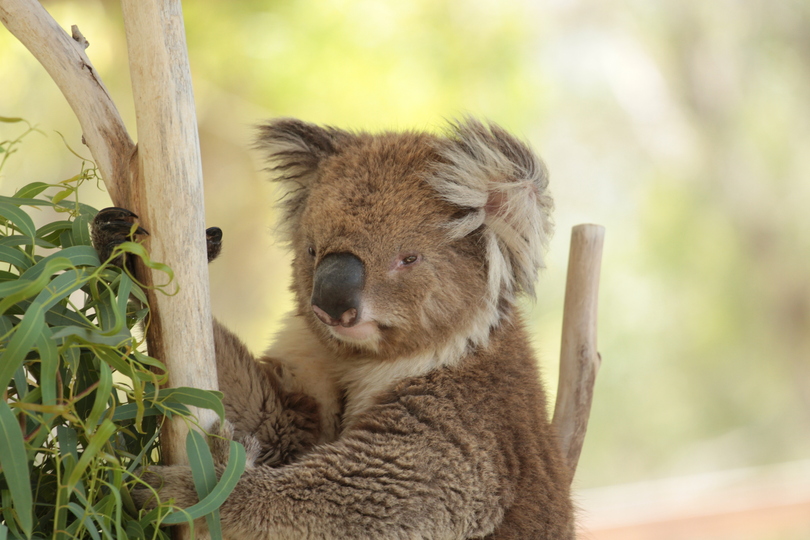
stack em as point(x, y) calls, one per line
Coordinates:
point(504, 184)
point(365, 379)
point(310, 365)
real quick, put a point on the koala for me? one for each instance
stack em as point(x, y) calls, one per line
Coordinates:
point(401, 398)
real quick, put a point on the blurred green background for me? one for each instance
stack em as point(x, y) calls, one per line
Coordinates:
point(682, 126)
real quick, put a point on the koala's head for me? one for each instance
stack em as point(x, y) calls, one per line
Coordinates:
point(408, 242)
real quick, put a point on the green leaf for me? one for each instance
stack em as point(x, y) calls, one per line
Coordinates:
point(32, 282)
point(6, 505)
point(16, 257)
point(62, 195)
point(20, 240)
point(102, 395)
point(14, 461)
point(105, 431)
point(34, 321)
point(129, 411)
point(18, 216)
point(206, 399)
point(10, 120)
point(88, 336)
point(205, 476)
point(135, 531)
point(54, 227)
point(81, 230)
point(230, 476)
point(31, 190)
point(49, 364)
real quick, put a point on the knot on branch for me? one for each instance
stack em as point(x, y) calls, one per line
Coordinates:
point(79, 37)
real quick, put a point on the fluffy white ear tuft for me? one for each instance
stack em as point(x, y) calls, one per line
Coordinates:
point(295, 151)
point(505, 187)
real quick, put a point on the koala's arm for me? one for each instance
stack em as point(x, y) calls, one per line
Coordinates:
point(408, 470)
point(285, 422)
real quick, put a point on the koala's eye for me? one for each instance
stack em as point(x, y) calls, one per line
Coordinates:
point(409, 260)
point(405, 261)
point(311, 251)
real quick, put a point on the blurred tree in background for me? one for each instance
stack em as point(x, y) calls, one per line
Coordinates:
point(682, 126)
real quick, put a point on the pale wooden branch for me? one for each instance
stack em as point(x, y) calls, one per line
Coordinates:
point(579, 359)
point(169, 201)
point(168, 193)
point(65, 61)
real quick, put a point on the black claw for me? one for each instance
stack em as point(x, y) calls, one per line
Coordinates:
point(213, 234)
point(114, 213)
point(213, 242)
point(120, 228)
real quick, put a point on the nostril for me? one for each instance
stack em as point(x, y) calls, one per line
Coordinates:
point(348, 318)
point(325, 317)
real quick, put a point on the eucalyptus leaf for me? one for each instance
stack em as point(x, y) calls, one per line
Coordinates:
point(14, 461)
point(230, 476)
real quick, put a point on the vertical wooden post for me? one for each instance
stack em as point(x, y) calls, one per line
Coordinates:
point(579, 359)
point(169, 200)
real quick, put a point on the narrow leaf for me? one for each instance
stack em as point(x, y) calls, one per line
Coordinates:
point(19, 218)
point(16, 257)
point(102, 395)
point(230, 476)
point(15, 466)
point(98, 440)
point(205, 476)
point(206, 399)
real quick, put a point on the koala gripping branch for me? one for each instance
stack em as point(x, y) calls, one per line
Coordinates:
point(579, 359)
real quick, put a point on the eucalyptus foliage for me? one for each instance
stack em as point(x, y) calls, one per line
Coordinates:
point(82, 405)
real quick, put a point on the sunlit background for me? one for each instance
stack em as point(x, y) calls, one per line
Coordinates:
point(682, 126)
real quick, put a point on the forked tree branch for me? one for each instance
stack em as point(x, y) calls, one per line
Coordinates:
point(579, 359)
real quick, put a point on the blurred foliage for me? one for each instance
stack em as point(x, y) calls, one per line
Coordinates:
point(682, 126)
point(81, 408)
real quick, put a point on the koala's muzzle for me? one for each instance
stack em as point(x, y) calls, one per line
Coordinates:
point(337, 289)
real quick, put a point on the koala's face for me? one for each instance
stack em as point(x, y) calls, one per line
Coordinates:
point(375, 270)
point(408, 243)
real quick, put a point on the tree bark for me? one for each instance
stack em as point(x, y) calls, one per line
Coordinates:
point(579, 359)
point(169, 201)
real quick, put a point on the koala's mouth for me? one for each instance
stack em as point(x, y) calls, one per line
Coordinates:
point(363, 332)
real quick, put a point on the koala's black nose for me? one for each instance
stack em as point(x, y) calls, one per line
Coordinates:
point(337, 289)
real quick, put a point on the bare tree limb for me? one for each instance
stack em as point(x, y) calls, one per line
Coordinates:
point(66, 62)
point(579, 359)
point(169, 200)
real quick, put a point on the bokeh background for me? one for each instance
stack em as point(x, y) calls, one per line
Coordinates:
point(683, 126)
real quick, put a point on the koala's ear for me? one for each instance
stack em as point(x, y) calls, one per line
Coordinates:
point(295, 151)
point(505, 186)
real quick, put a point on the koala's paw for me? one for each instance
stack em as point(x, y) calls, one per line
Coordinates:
point(172, 483)
point(111, 227)
point(220, 444)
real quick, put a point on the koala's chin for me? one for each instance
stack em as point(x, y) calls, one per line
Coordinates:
point(364, 334)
